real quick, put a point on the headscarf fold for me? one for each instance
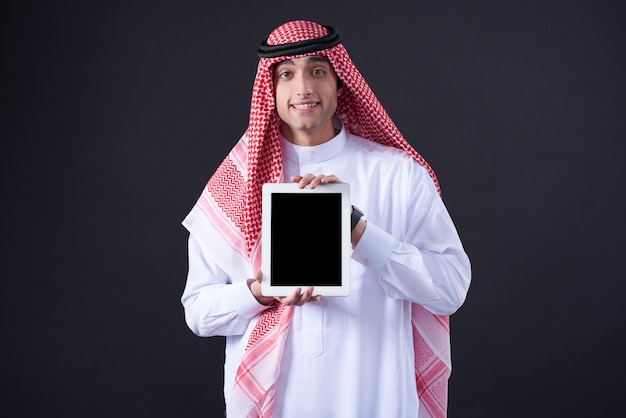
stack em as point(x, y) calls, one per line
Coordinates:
point(232, 203)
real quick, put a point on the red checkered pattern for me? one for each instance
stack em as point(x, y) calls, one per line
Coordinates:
point(431, 376)
point(361, 114)
point(265, 324)
point(234, 190)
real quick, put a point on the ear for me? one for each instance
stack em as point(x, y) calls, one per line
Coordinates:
point(340, 90)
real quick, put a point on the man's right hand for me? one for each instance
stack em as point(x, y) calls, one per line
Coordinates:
point(255, 288)
point(297, 298)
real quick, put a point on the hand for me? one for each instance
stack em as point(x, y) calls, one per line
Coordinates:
point(313, 181)
point(297, 298)
point(255, 288)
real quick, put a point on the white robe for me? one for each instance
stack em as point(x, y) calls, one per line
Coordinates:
point(348, 356)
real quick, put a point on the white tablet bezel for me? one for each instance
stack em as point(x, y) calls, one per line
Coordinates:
point(268, 289)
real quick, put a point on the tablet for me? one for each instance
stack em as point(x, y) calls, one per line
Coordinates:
point(306, 239)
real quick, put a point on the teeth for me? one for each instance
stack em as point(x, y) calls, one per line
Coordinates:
point(304, 106)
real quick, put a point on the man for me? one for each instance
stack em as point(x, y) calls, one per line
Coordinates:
point(384, 350)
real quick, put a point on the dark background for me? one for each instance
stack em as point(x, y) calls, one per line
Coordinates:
point(116, 113)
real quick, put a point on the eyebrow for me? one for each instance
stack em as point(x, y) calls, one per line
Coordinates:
point(314, 58)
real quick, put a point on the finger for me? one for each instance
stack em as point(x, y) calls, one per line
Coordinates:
point(322, 179)
point(330, 179)
point(315, 182)
point(296, 178)
point(304, 297)
point(258, 276)
point(315, 298)
point(306, 180)
point(291, 299)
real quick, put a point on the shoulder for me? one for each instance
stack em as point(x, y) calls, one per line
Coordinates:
point(384, 154)
point(374, 149)
point(385, 158)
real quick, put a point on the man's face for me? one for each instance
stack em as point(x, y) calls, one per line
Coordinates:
point(306, 99)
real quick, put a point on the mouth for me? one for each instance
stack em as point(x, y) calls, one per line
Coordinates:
point(304, 106)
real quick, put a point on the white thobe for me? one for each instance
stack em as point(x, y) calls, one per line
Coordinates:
point(348, 356)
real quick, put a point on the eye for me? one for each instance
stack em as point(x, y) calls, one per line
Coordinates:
point(284, 74)
point(318, 72)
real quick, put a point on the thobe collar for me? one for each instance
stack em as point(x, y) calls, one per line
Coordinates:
point(317, 153)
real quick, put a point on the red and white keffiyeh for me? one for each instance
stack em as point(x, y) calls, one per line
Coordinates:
point(232, 203)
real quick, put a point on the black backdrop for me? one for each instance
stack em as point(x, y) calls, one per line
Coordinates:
point(115, 114)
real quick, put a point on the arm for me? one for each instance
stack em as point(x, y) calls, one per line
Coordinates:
point(428, 265)
point(214, 305)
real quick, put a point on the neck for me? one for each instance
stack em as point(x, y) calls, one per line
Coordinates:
point(308, 138)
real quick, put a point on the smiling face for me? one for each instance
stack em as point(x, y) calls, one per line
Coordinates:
point(306, 99)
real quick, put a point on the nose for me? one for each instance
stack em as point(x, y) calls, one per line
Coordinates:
point(304, 86)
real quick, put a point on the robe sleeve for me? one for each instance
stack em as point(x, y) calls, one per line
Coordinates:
point(213, 304)
point(428, 264)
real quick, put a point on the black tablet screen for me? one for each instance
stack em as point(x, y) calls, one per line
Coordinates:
point(306, 239)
